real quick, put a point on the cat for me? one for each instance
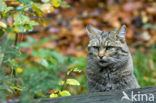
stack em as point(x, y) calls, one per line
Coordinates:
point(109, 61)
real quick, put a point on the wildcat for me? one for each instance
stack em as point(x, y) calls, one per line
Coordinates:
point(109, 61)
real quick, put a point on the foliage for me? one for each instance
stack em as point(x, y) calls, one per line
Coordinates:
point(145, 67)
point(22, 15)
point(18, 17)
point(42, 74)
point(31, 70)
point(7, 55)
point(46, 74)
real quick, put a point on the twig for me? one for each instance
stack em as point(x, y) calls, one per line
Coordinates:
point(16, 39)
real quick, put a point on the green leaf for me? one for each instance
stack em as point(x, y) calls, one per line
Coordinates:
point(69, 71)
point(52, 60)
point(28, 28)
point(77, 70)
point(23, 23)
point(20, 8)
point(1, 33)
point(64, 93)
point(44, 40)
point(16, 88)
point(3, 6)
point(58, 56)
point(7, 10)
point(20, 28)
point(21, 19)
point(45, 1)
point(33, 23)
point(30, 39)
point(74, 70)
point(61, 83)
point(148, 25)
point(25, 1)
point(44, 63)
point(63, 4)
point(72, 82)
point(25, 45)
point(1, 57)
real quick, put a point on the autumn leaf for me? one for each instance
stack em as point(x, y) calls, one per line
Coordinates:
point(3, 5)
point(64, 93)
point(53, 95)
point(55, 3)
point(19, 70)
point(72, 82)
point(46, 8)
point(3, 25)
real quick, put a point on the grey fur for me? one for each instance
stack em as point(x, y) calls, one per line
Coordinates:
point(109, 62)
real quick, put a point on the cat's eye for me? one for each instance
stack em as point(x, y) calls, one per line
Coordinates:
point(109, 47)
point(95, 47)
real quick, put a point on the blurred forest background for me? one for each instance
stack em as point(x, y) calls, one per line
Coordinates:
point(50, 60)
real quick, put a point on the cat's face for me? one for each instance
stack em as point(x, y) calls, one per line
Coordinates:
point(107, 47)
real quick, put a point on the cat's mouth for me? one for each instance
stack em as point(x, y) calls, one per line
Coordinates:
point(103, 63)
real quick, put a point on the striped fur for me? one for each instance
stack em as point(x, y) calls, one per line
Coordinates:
point(109, 62)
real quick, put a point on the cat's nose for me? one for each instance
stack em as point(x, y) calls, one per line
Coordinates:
point(100, 57)
point(101, 53)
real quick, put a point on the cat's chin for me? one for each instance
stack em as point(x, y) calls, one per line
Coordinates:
point(103, 64)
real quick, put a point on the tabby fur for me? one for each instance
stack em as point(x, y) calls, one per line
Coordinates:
point(109, 61)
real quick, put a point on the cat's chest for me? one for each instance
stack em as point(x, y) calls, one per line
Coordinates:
point(105, 78)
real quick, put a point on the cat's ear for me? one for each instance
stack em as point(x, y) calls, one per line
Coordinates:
point(92, 31)
point(122, 32)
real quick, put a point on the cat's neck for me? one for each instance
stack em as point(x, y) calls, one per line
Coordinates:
point(125, 69)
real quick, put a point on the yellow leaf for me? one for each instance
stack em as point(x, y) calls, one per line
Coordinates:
point(15, 30)
point(61, 83)
point(37, 10)
point(146, 78)
point(15, 3)
point(53, 95)
point(74, 70)
point(11, 35)
point(55, 3)
point(144, 17)
point(2, 24)
point(51, 9)
point(72, 82)
point(16, 88)
point(43, 22)
point(77, 70)
point(19, 70)
point(46, 8)
point(64, 93)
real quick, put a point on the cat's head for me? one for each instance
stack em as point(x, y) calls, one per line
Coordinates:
point(107, 47)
